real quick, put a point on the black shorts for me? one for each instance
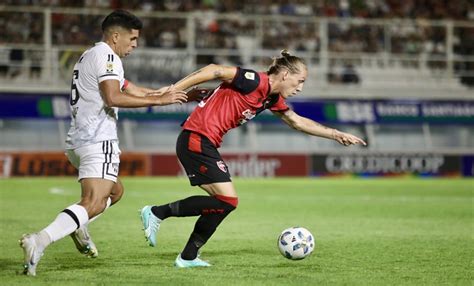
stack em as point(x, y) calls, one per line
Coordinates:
point(200, 159)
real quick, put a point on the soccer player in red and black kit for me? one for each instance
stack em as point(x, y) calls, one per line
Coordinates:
point(242, 95)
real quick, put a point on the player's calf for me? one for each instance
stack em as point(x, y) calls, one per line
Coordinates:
point(207, 224)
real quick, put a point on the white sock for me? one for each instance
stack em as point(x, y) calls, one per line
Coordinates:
point(66, 222)
point(107, 205)
point(42, 240)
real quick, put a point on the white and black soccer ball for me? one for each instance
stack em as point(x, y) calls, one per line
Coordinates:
point(296, 243)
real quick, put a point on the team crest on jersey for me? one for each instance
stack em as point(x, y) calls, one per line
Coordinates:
point(250, 75)
point(222, 166)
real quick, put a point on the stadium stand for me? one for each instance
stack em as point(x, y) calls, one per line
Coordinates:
point(373, 44)
point(366, 51)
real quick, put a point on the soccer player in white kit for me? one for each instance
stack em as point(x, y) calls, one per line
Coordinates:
point(98, 89)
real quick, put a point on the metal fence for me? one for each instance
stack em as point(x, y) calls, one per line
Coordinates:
point(347, 58)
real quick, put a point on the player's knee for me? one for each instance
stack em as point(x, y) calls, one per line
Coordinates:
point(115, 197)
point(117, 192)
point(230, 203)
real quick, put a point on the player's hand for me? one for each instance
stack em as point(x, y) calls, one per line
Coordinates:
point(197, 94)
point(161, 91)
point(347, 139)
point(169, 95)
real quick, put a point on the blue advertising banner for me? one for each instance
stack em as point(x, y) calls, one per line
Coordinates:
point(386, 111)
point(468, 166)
point(56, 106)
point(17, 106)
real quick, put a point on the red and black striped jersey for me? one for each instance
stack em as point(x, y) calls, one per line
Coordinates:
point(233, 104)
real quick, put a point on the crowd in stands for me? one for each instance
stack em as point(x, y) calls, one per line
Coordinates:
point(216, 32)
point(414, 9)
point(235, 32)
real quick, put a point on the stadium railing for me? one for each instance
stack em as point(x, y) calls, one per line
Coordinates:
point(346, 57)
point(369, 75)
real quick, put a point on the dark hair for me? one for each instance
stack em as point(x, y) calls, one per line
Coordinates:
point(122, 19)
point(286, 61)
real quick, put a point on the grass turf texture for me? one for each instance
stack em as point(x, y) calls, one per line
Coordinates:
point(368, 232)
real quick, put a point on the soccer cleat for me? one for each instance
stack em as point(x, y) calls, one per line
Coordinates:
point(197, 262)
point(31, 252)
point(151, 225)
point(84, 243)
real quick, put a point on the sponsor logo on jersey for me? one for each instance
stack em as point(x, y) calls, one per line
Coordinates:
point(222, 166)
point(250, 75)
point(248, 115)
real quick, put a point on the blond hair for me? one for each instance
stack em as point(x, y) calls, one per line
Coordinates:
point(286, 61)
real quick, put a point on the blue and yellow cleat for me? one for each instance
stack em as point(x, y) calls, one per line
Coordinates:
point(151, 224)
point(197, 262)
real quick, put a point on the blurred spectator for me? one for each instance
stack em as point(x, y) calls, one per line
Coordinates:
point(349, 75)
point(287, 8)
point(345, 74)
point(4, 61)
point(36, 59)
point(16, 62)
point(465, 48)
point(168, 39)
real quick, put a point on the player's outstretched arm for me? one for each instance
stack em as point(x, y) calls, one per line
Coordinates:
point(114, 97)
point(167, 94)
point(136, 90)
point(207, 73)
point(347, 139)
point(311, 127)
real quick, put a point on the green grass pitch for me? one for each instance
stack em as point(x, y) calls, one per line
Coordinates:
point(404, 231)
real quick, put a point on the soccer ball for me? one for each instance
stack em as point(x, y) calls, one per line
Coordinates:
point(296, 243)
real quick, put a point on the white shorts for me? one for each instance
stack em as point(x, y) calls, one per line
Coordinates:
point(100, 160)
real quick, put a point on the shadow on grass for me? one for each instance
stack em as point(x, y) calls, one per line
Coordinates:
point(11, 266)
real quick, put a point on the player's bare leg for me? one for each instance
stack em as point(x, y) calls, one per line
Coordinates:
point(95, 193)
point(117, 192)
point(81, 236)
point(223, 189)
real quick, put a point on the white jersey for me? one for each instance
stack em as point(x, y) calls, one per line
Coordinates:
point(91, 120)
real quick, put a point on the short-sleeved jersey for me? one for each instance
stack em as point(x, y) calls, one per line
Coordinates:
point(91, 120)
point(233, 104)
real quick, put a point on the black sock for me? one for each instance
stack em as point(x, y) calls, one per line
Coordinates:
point(204, 228)
point(191, 206)
point(162, 211)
